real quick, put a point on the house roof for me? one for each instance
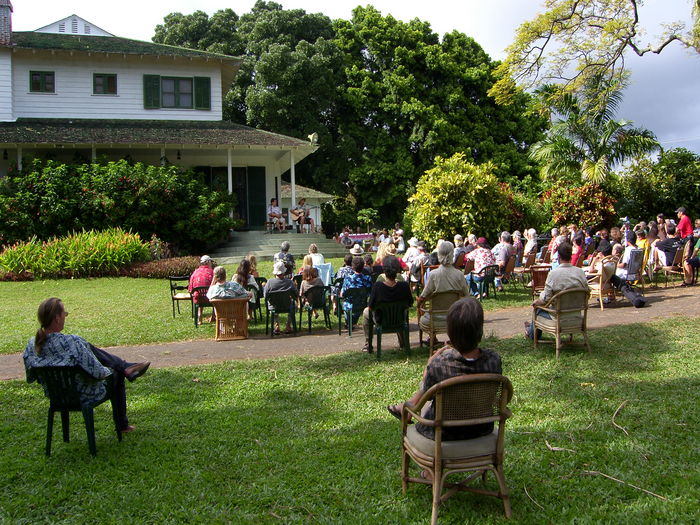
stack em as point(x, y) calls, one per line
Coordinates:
point(107, 44)
point(302, 192)
point(50, 132)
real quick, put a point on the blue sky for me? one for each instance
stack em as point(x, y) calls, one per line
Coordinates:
point(662, 96)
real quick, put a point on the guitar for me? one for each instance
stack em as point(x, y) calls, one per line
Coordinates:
point(301, 214)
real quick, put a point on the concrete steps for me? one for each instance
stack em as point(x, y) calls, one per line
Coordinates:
point(265, 245)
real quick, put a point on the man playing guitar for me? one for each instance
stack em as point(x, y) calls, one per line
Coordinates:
point(300, 214)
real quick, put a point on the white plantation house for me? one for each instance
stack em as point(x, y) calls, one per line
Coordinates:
point(71, 90)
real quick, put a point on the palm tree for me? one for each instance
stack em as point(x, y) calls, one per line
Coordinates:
point(586, 140)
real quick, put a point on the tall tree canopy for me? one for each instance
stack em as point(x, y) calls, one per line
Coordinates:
point(384, 96)
point(575, 40)
point(585, 141)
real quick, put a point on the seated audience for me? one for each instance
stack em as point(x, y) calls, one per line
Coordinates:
point(461, 355)
point(253, 264)
point(387, 290)
point(482, 258)
point(357, 279)
point(471, 243)
point(287, 258)
point(518, 247)
point(460, 249)
point(280, 283)
point(531, 244)
point(202, 276)
point(50, 347)
point(502, 252)
point(578, 250)
point(445, 278)
point(412, 252)
point(684, 228)
point(310, 279)
point(317, 258)
point(564, 277)
point(604, 245)
point(222, 289)
point(661, 225)
point(666, 249)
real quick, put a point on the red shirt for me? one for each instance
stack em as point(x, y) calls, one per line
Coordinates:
point(684, 227)
point(202, 276)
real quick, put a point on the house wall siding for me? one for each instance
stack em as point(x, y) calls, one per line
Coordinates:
point(6, 113)
point(73, 96)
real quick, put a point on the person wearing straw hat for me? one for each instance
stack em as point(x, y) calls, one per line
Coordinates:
point(356, 250)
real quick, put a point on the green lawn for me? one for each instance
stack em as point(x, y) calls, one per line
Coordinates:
point(309, 440)
point(126, 311)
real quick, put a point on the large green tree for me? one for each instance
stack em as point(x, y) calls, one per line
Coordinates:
point(585, 141)
point(573, 41)
point(410, 97)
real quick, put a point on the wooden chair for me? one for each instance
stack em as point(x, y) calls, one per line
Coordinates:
point(539, 278)
point(600, 285)
point(487, 278)
point(316, 298)
point(350, 306)
point(423, 277)
point(459, 262)
point(468, 266)
point(676, 267)
point(231, 318)
point(276, 303)
point(200, 303)
point(569, 311)
point(519, 272)
point(436, 307)
point(178, 291)
point(460, 401)
point(510, 266)
point(63, 386)
point(546, 256)
point(389, 318)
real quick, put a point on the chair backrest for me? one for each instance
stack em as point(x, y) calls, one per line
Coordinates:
point(571, 301)
point(282, 301)
point(200, 292)
point(443, 300)
point(468, 266)
point(607, 270)
point(325, 272)
point(262, 281)
point(635, 264)
point(530, 260)
point(316, 296)
point(488, 272)
point(579, 260)
point(459, 262)
point(539, 277)
point(547, 256)
point(297, 280)
point(391, 316)
point(178, 283)
point(231, 318)
point(357, 297)
point(510, 265)
point(63, 384)
point(470, 399)
point(255, 300)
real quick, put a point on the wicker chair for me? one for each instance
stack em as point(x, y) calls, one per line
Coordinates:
point(62, 387)
point(600, 285)
point(539, 278)
point(569, 311)
point(231, 318)
point(436, 309)
point(459, 401)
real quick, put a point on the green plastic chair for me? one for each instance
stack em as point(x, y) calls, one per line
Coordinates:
point(201, 303)
point(488, 274)
point(357, 299)
point(389, 318)
point(276, 303)
point(316, 299)
point(62, 385)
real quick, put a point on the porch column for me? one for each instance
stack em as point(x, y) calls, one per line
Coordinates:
point(229, 174)
point(94, 153)
point(293, 179)
point(162, 156)
point(19, 158)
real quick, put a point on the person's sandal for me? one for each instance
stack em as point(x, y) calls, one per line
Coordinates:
point(394, 411)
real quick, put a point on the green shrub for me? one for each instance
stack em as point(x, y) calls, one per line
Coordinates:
point(586, 205)
point(529, 212)
point(162, 269)
point(456, 196)
point(84, 254)
point(50, 199)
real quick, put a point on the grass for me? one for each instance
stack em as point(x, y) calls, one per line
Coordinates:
point(308, 440)
point(119, 311)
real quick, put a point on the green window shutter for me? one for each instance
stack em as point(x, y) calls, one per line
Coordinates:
point(202, 93)
point(151, 91)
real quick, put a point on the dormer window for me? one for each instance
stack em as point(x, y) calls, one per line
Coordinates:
point(42, 82)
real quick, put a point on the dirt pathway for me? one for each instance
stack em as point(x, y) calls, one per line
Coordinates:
point(662, 303)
